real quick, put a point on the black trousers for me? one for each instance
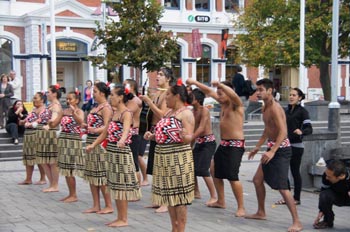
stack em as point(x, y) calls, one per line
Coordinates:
point(295, 162)
point(150, 161)
point(327, 199)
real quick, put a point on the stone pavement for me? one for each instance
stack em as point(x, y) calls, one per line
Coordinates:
point(26, 208)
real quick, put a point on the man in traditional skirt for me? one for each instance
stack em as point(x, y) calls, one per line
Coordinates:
point(228, 156)
point(205, 145)
point(274, 163)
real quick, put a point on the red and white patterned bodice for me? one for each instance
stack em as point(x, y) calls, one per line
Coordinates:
point(168, 129)
point(94, 119)
point(32, 117)
point(45, 116)
point(70, 125)
point(115, 132)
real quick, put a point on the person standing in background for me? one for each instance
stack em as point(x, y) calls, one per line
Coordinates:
point(17, 84)
point(238, 83)
point(299, 124)
point(88, 99)
point(6, 92)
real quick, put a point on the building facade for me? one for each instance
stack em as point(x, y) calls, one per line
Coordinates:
point(203, 29)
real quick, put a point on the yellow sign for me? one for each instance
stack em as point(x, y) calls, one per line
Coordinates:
point(66, 46)
point(29, 106)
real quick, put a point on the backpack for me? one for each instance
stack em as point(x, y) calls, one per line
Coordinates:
point(248, 88)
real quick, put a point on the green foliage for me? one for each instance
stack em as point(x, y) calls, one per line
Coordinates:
point(271, 34)
point(135, 39)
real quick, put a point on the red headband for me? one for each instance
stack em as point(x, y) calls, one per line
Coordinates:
point(57, 86)
point(77, 91)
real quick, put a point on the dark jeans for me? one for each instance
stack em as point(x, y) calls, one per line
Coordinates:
point(327, 199)
point(297, 153)
point(14, 130)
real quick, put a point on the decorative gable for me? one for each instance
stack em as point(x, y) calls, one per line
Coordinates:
point(65, 8)
point(68, 13)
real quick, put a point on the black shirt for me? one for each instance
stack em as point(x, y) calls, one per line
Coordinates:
point(297, 118)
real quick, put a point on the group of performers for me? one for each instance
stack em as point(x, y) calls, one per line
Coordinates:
point(182, 147)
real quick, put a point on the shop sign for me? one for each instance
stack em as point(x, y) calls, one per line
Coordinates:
point(202, 18)
point(65, 46)
point(199, 18)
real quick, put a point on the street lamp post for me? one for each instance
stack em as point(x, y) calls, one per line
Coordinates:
point(302, 69)
point(53, 43)
point(334, 106)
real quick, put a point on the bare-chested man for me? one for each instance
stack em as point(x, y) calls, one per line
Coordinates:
point(274, 163)
point(228, 156)
point(135, 106)
point(158, 107)
point(205, 144)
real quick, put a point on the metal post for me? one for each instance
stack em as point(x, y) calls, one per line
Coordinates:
point(334, 106)
point(53, 43)
point(302, 69)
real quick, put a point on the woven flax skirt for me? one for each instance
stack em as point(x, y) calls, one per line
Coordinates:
point(46, 149)
point(70, 155)
point(121, 174)
point(173, 175)
point(29, 147)
point(95, 164)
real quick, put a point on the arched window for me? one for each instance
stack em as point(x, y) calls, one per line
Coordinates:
point(204, 66)
point(176, 64)
point(6, 54)
point(231, 54)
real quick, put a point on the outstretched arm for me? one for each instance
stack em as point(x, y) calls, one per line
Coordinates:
point(206, 90)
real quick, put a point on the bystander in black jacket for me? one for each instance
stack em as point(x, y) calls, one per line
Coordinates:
point(14, 123)
point(298, 118)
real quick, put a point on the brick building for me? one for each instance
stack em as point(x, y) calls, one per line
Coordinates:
point(25, 42)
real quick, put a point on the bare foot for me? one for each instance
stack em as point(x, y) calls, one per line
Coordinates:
point(216, 205)
point(63, 199)
point(107, 223)
point(162, 209)
point(92, 210)
point(26, 182)
point(40, 182)
point(240, 213)
point(118, 223)
point(144, 183)
point(255, 216)
point(296, 227)
point(106, 210)
point(211, 201)
point(197, 196)
point(50, 190)
point(70, 199)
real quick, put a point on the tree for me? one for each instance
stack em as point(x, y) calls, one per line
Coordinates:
point(271, 34)
point(136, 38)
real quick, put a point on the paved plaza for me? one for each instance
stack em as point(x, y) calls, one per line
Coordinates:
point(26, 208)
